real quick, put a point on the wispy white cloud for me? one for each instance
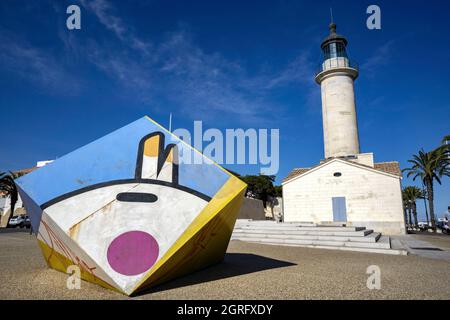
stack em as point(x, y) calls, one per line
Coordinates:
point(120, 66)
point(205, 84)
point(381, 57)
point(377, 101)
point(107, 16)
point(174, 71)
point(198, 83)
point(300, 70)
point(39, 66)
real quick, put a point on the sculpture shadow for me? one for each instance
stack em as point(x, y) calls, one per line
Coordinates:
point(234, 264)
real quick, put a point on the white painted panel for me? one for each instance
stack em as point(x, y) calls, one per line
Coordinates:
point(55, 238)
point(166, 219)
point(69, 212)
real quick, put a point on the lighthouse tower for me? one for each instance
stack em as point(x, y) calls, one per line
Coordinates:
point(335, 77)
point(348, 187)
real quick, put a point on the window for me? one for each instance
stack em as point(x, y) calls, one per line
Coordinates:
point(334, 50)
point(337, 174)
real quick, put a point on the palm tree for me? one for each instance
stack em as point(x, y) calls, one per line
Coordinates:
point(430, 167)
point(406, 209)
point(8, 188)
point(412, 194)
point(446, 139)
point(425, 197)
point(445, 148)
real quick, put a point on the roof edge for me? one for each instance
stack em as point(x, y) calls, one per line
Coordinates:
point(320, 165)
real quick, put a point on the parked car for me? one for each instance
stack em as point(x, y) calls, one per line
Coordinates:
point(443, 225)
point(423, 226)
point(446, 228)
point(21, 221)
point(26, 222)
point(16, 221)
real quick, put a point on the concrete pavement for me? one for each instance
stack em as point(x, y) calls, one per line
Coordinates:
point(250, 271)
point(424, 244)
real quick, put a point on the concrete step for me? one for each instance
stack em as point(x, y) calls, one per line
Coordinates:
point(372, 237)
point(271, 222)
point(301, 231)
point(297, 224)
point(296, 227)
point(331, 236)
point(382, 243)
point(347, 248)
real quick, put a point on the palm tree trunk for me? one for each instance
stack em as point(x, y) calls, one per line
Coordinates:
point(414, 207)
point(13, 206)
point(425, 204)
point(431, 204)
point(405, 211)
point(410, 219)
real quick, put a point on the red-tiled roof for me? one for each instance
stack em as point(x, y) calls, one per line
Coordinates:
point(391, 167)
point(296, 172)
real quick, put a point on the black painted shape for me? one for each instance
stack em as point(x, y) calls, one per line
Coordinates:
point(116, 182)
point(163, 153)
point(136, 197)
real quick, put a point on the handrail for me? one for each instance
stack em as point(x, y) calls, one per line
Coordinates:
point(336, 63)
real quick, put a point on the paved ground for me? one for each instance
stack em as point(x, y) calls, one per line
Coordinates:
point(440, 240)
point(424, 244)
point(250, 271)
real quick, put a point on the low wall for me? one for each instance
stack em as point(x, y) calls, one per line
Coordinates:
point(252, 209)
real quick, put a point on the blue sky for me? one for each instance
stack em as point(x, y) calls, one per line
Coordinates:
point(232, 64)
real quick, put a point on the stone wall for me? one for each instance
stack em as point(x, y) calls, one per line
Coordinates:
point(252, 209)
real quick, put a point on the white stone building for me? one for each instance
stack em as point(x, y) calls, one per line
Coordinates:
point(347, 187)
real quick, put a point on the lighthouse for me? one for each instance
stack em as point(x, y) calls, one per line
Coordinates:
point(336, 77)
point(347, 187)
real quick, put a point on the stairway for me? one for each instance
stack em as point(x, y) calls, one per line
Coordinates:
point(314, 236)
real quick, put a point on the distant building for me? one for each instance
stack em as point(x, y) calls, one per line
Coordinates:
point(5, 202)
point(347, 187)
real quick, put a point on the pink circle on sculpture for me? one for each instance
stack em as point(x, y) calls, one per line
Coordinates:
point(132, 253)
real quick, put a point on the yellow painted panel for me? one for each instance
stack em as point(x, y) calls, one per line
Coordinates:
point(151, 146)
point(59, 262)
point(205, 248)
point(205, 241)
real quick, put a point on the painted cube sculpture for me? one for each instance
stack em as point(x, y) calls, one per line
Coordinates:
point(128, 212)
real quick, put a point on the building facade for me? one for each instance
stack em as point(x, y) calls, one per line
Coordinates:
point(347, 187)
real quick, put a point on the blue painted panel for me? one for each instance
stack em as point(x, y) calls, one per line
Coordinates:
point(33, 210)
point(113, 157)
